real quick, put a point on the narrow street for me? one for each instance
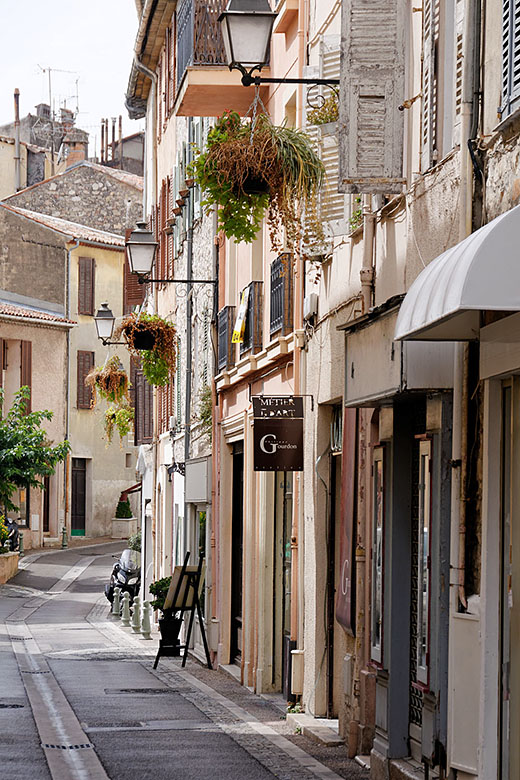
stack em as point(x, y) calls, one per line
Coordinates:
point(80, 698)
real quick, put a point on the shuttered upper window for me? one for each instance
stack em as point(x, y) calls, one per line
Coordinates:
point(133, 292)
point(143, 426)
point(510, 56)
point(26, 369)
point(86, 270)
point(85, 361)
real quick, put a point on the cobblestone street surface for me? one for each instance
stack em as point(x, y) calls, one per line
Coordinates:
point(80, 698)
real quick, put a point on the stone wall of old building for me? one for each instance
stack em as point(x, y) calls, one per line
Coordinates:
point(89, 194)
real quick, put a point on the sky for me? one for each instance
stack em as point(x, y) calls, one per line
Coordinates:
point(87, 45)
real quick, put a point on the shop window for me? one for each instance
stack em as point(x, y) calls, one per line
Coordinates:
point(423, 563)
point(378, 528)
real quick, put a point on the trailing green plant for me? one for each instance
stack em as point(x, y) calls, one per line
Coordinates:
point(120, 417)
point(158, 361)
point(123, 509)
point(327, 112)
point(159, 589)
point(357, 216)
point(26, 454)
point(205, 409)
point(134, 541)
point(109, 381)
point(252, 169)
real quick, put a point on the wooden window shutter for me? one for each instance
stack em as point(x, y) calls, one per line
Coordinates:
point(26, 369)
point(178, 389)
point(429, 85)
point(457, 107)
point(510, 56)
point(143, 427)
point(1, 363)
point(86, 272)
point(371, 90)
point(84, 362)
point(133, 292)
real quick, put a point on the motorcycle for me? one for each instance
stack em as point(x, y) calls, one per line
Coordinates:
point(126, 575)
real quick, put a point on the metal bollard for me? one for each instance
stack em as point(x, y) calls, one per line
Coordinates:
point(146, 627)
point(125, 614)
point(20, 545)
point(64, 541)
point(116, 605)
point(136, 616)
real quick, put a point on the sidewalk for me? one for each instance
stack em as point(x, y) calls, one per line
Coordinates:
point(259, 724)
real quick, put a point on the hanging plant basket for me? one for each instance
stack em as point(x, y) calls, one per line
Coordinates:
point(109, 382)
point(154, 341)
point(120, 417)
point(251, 169)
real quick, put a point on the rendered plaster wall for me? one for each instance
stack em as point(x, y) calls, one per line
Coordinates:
point(85, 195)
point(32, 263)
point(110, 467)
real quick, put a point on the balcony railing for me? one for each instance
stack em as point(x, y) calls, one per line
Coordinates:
point(253, 325)
point(199, 37)
point(281, 295)
point(226, 350)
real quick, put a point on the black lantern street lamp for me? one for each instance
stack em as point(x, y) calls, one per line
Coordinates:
point(105, 321)
point(141, 248)
point(247, 27)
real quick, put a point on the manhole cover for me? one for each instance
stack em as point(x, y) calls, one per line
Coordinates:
point(137, 691)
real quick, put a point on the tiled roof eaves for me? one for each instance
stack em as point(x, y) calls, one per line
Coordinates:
point(72, 230)
point(19, 314)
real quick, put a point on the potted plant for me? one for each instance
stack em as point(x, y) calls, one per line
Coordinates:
point(154, 340)
point(169, 624)
point(325, 116)
point(253, 168)
point(120, 417)
point(123, 509)
point(109, 381)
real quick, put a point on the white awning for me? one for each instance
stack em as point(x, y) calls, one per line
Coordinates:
point(481, 273)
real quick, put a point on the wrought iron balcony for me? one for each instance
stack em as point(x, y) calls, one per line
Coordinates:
point(282, 293)
point(199, 36)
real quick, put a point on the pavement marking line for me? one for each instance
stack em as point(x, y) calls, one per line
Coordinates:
point(67, 749)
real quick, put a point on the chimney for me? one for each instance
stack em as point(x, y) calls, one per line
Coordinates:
point(106, 139)
point(17, 175)
point(102, 154)
point(120, 142)
point(113, 137)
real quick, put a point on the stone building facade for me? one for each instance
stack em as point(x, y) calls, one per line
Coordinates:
point(87, 193)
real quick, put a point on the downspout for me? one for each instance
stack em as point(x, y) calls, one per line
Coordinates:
point(189, 312)
point(17, 173)
point(215, 433)
point(67, 393)
point(367, 269)
point(469, 121)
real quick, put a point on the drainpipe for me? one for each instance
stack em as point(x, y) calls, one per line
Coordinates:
point(469, 120)
point(189, 313)
point(67, 392)
point(367, 269)
point(17, 175)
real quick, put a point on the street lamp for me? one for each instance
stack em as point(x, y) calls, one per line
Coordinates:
point(247, 27)
point(141, 249)
point(105, 321)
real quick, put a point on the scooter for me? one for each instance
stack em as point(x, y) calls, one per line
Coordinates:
point(14, 534)
point(126, 575)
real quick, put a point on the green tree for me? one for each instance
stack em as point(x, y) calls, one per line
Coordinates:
point(26, 454)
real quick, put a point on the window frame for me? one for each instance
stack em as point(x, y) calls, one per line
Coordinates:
point(377, 554)
point(422, 649)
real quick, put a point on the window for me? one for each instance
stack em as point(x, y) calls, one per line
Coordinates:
point(226, 350)
point(86, 269)
point(378, 517)
point(281, 315)
point(26, 369)
point(423, 563)
point(254, 319)
point(85, 361)
point(510, 56)
point(143, 425)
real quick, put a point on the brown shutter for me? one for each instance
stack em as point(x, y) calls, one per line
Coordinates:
point(86, 285)
point(143, 427)
point(26, 368)
point(1, 363)
point(133, 292)
point(85, 361)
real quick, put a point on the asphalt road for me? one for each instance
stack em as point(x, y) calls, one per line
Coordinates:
point(80, 700)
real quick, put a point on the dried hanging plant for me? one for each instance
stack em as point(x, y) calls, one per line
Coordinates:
point(109, 381)
point(252, 167)
point(154, 341)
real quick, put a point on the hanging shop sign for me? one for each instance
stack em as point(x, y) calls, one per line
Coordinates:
point(278, 433)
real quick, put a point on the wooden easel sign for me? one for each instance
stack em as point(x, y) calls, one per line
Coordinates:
point(183, 596)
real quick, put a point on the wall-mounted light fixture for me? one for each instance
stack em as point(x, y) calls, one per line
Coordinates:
point(105, 321)
point(247, 27)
